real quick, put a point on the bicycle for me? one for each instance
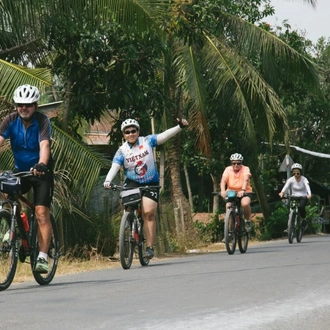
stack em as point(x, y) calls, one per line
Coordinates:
point(294, 221)
point(234, 224)
point(18, 235)
point(131, 227)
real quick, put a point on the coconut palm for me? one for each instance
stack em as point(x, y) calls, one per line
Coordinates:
point(222, 49)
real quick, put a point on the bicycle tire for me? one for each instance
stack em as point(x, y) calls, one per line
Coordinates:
point(8, 255)
point(299, 231)
point(53, 254)
point(126, 241)
point(230, 232)
point(243, 238)
point(142, 247)
point(291, 227)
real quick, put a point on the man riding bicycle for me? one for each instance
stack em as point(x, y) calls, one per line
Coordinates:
point(29, 132)
point(237, 177)
point(137, 158)
point(299, 186)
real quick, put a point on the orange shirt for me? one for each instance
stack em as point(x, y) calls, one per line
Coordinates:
point(235, 181)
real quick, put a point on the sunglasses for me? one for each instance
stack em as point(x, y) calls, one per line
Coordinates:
point(238, 163)
point(296, 174)
point(27, 105)
point(133, 131)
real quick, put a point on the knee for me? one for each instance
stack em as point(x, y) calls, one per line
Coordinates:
point(149, 216)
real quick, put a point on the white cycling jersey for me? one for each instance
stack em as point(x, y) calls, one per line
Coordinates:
point(298, 189)
point(138, 159)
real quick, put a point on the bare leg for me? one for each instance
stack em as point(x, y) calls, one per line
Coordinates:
point(45, 227)
point(149, 209)
point(245, 203)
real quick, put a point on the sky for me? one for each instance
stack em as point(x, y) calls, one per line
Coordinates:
point(302, 16)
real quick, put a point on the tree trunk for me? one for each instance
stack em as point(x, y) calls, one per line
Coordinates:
point(188, 188)
point(180, 204)
point(261, 194)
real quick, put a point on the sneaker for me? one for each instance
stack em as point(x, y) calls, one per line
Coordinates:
point(247, 225)
point(41, 266)
point(149, 252)
point(304, 224)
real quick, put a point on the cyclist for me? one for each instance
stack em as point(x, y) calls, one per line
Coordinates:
point(29, 132)
point(237, 177)
point(137, 158)
point(299, 188)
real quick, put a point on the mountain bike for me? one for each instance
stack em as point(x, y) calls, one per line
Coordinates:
point(294, 221)
point(131, 227)
point(234, 224)
point(19, 234)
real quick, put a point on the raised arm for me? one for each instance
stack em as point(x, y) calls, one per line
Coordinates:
point(169, 133)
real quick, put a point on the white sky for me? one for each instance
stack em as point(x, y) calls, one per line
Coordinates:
point(301, 16)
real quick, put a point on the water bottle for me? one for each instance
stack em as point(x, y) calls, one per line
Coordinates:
point(25, 221)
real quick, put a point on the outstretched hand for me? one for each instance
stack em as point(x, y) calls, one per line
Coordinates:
point(182, 123)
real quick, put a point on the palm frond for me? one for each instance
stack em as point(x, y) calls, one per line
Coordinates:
point(253, 40)
point(189, 74)
point(12, 75)
point(82, 164)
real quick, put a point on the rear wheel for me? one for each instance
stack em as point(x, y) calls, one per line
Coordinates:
point(126, 241)
point(53, 254)
point(230, 234)
point(299, 230)
point(291, 229)
point(8, 252)
point(142, 248)
point(243, 238)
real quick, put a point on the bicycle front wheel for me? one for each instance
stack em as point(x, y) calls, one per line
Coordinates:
point(299, 231)
point(53, 254)
point(243, 238)
point(126, 241)
point(291, 226)
point(230, 233)
point(8, 253)
point(142, 248)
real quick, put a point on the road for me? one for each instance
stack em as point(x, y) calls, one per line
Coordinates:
point(274, 285)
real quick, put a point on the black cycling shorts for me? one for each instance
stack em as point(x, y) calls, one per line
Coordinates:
point(150, 193)
point(43, 188)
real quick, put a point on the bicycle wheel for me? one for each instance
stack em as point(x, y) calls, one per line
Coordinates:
point(230, 233)
point(291, 227)
point(8, 253)
point(142, 247)
point(126, 241)
point(243, 238)
point(299, 231)
point(53, 254)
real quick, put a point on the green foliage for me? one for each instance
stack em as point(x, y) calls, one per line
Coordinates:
point(275, 225)
point(212, 231)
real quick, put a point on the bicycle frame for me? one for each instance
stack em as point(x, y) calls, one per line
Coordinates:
point(13, 227)
point(131, 227)
point(294, 223)
point(234, 226)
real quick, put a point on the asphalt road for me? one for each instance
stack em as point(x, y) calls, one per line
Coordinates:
point(274, 285)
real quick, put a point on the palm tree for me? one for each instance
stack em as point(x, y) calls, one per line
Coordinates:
point(221, 50)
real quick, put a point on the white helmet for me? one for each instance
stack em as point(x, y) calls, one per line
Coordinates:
point(236, 157)
point(26, 94)
point(128, 123)
point(296, 165)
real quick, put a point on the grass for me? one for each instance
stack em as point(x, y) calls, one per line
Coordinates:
point(67, 266)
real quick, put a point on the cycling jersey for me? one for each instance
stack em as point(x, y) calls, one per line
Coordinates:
point(298, 189)
point(138, 160)
point(25, 141)
point(235, 180)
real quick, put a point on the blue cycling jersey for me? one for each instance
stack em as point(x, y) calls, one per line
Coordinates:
point(25, 142)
